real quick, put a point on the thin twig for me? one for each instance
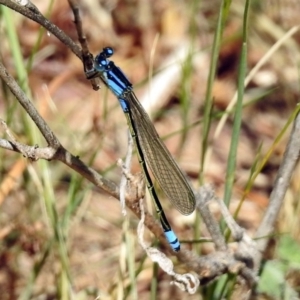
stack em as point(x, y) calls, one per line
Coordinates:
point(29, 107)
point(31, 152)
point(87, 56)
point(281, 184)
point(213, 265)
point(247, 249)
point(205, 195)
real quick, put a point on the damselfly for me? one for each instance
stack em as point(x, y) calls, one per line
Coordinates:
point(150, 148)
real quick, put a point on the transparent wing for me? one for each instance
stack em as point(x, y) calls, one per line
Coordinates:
point(164, 168)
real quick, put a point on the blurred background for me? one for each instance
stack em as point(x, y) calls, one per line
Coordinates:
point(55, 226)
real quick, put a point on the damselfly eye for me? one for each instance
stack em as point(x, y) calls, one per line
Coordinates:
point(101, 61)
point(108, 51)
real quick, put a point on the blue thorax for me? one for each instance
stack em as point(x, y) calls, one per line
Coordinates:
point(115, 79)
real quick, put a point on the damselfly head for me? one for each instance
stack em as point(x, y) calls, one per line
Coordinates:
point(101, 61)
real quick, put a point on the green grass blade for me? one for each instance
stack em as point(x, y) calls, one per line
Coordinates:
point(208, 103)
point(230, 172)
point(15, 49)
point(231, 165)
point(259, 165)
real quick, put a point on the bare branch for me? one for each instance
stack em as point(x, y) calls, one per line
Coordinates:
point(205, 195)
point(29, 108)
point(282, 181)
point(87, 56)
point(247, 249)
point(211, 266)
point(32, 152)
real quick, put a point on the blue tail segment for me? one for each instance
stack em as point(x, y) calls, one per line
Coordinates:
point(172, 239)
point(150, 148)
